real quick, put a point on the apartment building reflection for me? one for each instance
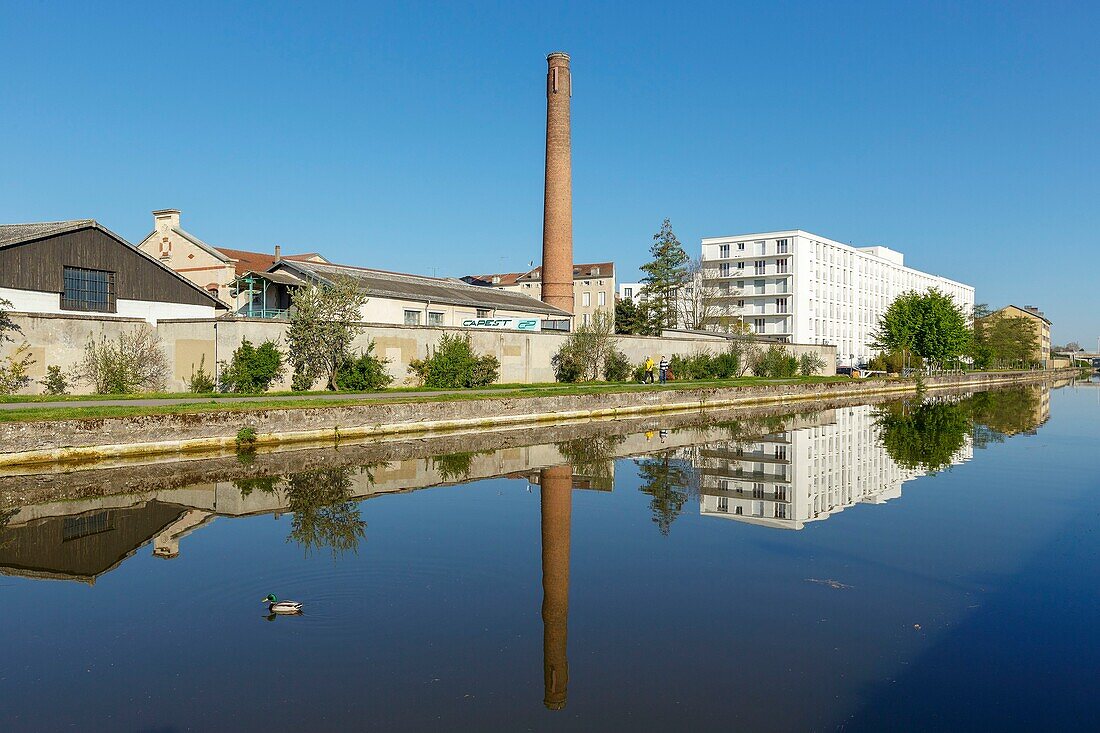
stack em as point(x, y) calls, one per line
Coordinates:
point(789, 478)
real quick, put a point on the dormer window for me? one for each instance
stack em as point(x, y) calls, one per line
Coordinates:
point(496, 279)
point(595, 271)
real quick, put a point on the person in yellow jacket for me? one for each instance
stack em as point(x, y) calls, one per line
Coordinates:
point(648, 368)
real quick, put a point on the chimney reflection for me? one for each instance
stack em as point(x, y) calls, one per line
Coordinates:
point(557, 508)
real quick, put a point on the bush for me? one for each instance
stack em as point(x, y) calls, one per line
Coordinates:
point(892, 362)
point(246, 437)
point(134, 362)
point(201, 381)
point(13, 370)
point(705, 365)
point(775, 363)
point(616, 367)
point(252, 369)
point(364, 373)
point(454, 365)
point(810, 364)
point(584, 355)
point(54, 382)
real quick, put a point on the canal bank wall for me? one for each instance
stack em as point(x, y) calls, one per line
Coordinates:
point(193, 434)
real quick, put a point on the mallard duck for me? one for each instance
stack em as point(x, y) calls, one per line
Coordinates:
point(274, 605)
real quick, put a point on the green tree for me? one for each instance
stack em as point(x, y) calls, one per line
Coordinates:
point(665, 274)
point(929, 324)
point(667, 482)
point(7, 325)
point(324, 320)
point(455, 365)
point(365, 372)
point(590, 352)
point(626, 316)
point(1008, 340)
point(925, 436)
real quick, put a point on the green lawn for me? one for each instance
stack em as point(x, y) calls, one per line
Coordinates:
point(213, 403)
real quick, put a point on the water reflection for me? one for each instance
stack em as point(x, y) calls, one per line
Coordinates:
point(779, 471)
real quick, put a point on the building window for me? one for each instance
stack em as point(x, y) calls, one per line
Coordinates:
point(724, 269)
point(435, 318)
point(628, 292)
point(758, 325)
point(412, 318)
point(601, 298)
point(781, 246)
point(740, 304)
point(723, 504)
point(780, 511)
point(758, 491)
point(723, 251)
point(586, 300)
point(780, 305)
point(760, 266)
point(740, 265)
point(781, 266)
point(740, 246)
point(88, 290)
point(584, 319)
point(481, 312)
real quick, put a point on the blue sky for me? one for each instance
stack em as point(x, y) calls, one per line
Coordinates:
point(409, 136)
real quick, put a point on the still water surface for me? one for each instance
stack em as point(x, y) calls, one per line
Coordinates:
point(893, 567)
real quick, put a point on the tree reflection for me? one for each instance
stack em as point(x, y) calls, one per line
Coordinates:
point(666, 480)
point(324, 513)
point(593, 457)
point(264, 484)
point(454, 467)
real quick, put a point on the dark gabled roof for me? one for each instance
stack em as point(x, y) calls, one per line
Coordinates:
point(420, 287)
point(12, 234)
point(19, 233)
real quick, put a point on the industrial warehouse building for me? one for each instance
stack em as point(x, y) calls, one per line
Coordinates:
point(805, 288)
point(82, 268)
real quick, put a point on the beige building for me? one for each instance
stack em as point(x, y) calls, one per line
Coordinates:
point(1042, 328)
point(593, 287)
point(214, 269)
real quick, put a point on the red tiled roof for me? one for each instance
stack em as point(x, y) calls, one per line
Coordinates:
point(260, 261)
point(581, 271)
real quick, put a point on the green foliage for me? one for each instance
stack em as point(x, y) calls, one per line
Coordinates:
point(324, 513)
point(252, 369)
point(264, 484)
point(13, 370)
point(892, 363)
point(616, 367)
point(134, 362)
point(582, 357)
point(54, 383)
point(453, 467)
point(324, 320)
point(1005, 341)
point(365, 372)
point(593, 457)
point(665, 274)
point(929, 324)
point(810, 364)
point(201, 381)
point(927, 436)
point(7, 325)
point(626, 316)
point(775, 363)
point(246, 437)
point(454, 365)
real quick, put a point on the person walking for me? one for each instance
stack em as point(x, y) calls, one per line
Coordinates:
point(648, 369)
point(662, 369)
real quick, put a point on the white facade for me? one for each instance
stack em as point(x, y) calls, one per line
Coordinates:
point(809, 289)
point(631, 291)
point(35, 301)
point(788, 479)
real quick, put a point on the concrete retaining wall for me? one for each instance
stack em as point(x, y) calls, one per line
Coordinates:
point(94, 439)
point(524, 357)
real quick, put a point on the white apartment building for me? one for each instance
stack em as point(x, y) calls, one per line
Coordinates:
point(809, 289)
point(786, 480)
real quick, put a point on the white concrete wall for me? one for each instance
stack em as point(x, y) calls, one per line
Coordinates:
point(34, 301)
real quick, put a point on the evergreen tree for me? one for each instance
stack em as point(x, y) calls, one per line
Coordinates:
point(626, 316)
point(664, 276)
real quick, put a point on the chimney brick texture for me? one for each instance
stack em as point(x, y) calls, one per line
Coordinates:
point(557, 222)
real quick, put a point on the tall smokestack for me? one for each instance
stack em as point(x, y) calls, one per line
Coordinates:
point(557, 221)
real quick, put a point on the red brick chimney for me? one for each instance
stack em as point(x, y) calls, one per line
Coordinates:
point(557, 223)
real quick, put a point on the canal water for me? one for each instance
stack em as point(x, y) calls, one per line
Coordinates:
point(918, 565)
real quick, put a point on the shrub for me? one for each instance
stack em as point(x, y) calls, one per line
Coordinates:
point(775, 363)
point(134, 362)
point(726, 364)
point(454, 365)
point(640, 374)
point(201, 381)
point(13, 370)
point(703, 364)
point(252, 369)
point(616, 367)
point(364, 372)
point(810, 364)
point(583, 356)
point(54, 382)
point(246, 437)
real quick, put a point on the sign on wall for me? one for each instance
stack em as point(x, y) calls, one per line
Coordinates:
point(504, 324)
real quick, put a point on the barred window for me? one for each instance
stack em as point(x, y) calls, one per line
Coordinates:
point(88, 290)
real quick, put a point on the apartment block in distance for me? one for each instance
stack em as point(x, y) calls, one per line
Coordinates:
point(593, 287)
point(801, 287)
